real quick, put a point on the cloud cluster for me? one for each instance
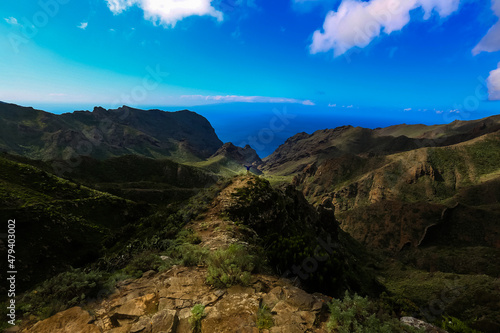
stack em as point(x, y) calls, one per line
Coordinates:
point(494, 84)
point(357, 23)
point(12, 21)
point(167, 12)
point(491, 43)
point(83, 25)
point(248, 99)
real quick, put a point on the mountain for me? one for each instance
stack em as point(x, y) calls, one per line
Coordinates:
point(224, 272)
point(181, 135)
point(155, 228)
point(59, 223)
point(382, 180)
point(244, 156)
point(303, 149)
point(428, 197)
point(230, 160)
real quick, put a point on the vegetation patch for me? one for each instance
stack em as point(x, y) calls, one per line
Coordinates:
point(264, 318)
point(288, 228)
point(197, 314)
point(356, 314)
point(231, 266)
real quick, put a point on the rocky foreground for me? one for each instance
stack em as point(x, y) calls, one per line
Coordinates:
point(162, 302)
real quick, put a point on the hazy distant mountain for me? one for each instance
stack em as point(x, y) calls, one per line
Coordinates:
point(181, 135)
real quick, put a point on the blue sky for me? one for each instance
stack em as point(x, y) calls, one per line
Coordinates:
point(421, 59)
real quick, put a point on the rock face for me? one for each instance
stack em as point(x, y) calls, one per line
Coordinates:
point(389, 201)
point(105, 133)
point(162, 302)
point(69, 321)
point(419, 324)
point(244, 156)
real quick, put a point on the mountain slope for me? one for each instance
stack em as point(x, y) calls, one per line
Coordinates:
point(58, 223)
point(303, 149)
point(230, 160)
point(181, 135)
point(406, 191)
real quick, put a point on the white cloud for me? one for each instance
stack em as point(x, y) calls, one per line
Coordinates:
point(407, 109)
point(83, 25)
point(490, 42)
point(308, 102)
point(494, 84)
point(332, 105)
point(357, 23)
point(11, 20)
point(439, 112)
point(248, 99)
point(167, 12)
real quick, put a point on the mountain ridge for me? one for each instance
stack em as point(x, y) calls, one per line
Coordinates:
point(182, 135)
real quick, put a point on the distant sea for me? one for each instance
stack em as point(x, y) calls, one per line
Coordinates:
point(266, 126)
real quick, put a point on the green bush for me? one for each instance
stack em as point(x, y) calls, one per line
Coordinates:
point(358, 314)
point(454, 325)
point(264, 318)
point(230, 267)
point(187, 254)
point(144, 262)
point(197, 314)
point(61, 292)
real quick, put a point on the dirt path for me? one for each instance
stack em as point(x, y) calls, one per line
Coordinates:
point(215, 231)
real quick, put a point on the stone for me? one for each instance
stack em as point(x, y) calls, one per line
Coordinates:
point(420, 324)
point(299, 298)
point(183, 325)
point(274, 296)
point(72, 320)
point(134, 308)
point(233, 313)
point(165, 321)
point(142, 326)
point(149, 274)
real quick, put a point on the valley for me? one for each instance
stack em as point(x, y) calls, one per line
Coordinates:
point(159, 215)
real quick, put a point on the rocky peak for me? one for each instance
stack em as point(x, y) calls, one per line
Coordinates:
point(246, 155)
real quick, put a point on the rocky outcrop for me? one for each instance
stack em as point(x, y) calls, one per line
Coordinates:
point(70, 321)
point(422, 325)
point(162, 302)
point(243, 156)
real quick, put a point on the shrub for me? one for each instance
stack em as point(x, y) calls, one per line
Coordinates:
point(359, 315)
point(197, 314)
point(454, 325)
point(188, 254)
point(264, 318)
point(62, 291)
point(231, 266)
point(143, 262)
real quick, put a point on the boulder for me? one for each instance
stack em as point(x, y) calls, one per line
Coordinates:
point(70, 321)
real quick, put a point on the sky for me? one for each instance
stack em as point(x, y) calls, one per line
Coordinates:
point(430, 61)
